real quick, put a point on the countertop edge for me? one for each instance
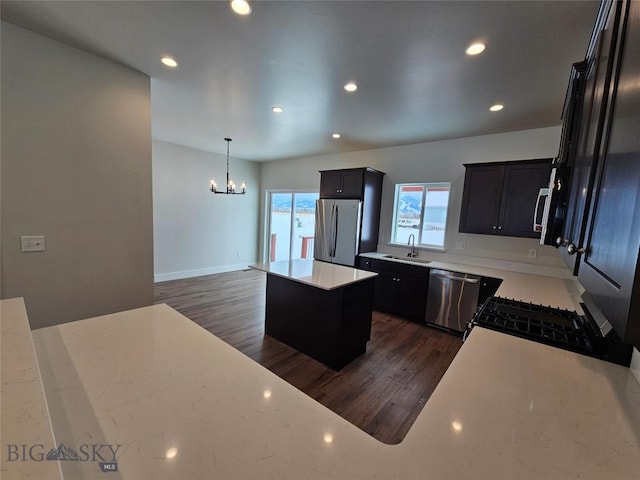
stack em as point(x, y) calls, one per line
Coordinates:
point(328, 284)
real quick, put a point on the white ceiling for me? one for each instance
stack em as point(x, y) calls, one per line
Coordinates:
point(415, 82)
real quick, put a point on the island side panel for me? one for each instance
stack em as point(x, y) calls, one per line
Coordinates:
point(331, 326)
point(357, 309)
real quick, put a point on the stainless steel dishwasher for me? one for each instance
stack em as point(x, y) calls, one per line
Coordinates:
point(452, 299)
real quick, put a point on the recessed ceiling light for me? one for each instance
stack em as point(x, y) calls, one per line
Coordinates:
point(241, 7)
point(496, 108)
point(351, 87)
point(171, 453)
point(475, 48)
point(169, 62)
point(336, 135)
point(277, 109)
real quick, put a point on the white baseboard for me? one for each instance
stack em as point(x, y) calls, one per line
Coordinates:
point(163, 277)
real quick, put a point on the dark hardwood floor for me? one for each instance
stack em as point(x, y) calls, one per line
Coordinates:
point(381, 392)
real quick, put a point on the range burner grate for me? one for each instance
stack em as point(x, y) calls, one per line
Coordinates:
point(553, 326)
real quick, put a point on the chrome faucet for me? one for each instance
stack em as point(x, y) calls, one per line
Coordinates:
point(412, 243)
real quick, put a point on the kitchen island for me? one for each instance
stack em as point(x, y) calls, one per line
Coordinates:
point(181, 403)
point(318, 308)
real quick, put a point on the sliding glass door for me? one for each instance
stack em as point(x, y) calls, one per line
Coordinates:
point(291, 225)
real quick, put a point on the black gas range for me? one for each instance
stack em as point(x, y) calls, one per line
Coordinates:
point(552, 326)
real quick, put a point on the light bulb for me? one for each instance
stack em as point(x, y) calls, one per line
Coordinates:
point(241, 7)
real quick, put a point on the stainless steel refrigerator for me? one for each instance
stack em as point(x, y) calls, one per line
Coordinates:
point(337, 231)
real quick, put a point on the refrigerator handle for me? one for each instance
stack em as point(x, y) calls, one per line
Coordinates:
point(335, 232)
point(331, 234)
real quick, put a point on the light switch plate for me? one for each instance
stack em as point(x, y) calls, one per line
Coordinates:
point(32, 243)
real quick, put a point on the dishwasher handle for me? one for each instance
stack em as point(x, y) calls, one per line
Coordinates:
point(457, 279)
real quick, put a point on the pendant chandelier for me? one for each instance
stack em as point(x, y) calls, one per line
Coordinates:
point(231, 187)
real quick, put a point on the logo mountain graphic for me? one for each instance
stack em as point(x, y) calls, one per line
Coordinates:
point(62, 453)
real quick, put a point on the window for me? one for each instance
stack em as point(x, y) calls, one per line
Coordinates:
point(420, 209)
point(291, 225)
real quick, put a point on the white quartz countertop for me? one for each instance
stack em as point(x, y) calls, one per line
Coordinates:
point(185, 405)
point(326, 276)
point(24, 417)
point(539, 289)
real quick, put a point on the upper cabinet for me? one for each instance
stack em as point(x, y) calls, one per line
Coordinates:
point(346, 183)
point(362, 184)
point(600, 239)
point(610, 252)
point(587, 126)
point(504, 198)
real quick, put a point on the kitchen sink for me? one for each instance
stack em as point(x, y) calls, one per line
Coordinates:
point(408, 259)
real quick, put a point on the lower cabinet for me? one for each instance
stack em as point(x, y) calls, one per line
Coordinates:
point(488, 287)
point(400, 289)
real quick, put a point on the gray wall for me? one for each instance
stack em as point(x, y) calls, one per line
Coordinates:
point(435, 162)
point(76, 168)
point(195, 231)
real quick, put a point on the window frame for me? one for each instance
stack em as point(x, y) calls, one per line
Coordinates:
point(394, 222)
point(266, 247)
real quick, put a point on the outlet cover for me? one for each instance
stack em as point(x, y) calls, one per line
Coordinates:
point(461, 246)
point(32, 243)
point(533, 253)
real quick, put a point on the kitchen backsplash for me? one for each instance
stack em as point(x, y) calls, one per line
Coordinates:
point(559, 271)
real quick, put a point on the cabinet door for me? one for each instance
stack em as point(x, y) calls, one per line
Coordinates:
point(565, 163)
point(522, 183)
point(330, 184)
point(579, 187)
point(351, 184)
point(609, 269)
point(488, 288)
point(384, 293)
point(400, 289)
point(583, 172)
point(481, 199)
point(346, 183)
point(364, 263)
point(572, 114)
point(371, 203)
point(412, 298)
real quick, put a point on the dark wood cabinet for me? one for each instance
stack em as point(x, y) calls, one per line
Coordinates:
point(362, 184)
point(331, 326)
point(411, 301)
point(481, 198)
point(502, 198)
point(488, 287)
point(363, 263)
point(583, 166)
point(400, 289)
point(609, 268)
point(565, 163)
point(385, 292)
point(345, 183)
